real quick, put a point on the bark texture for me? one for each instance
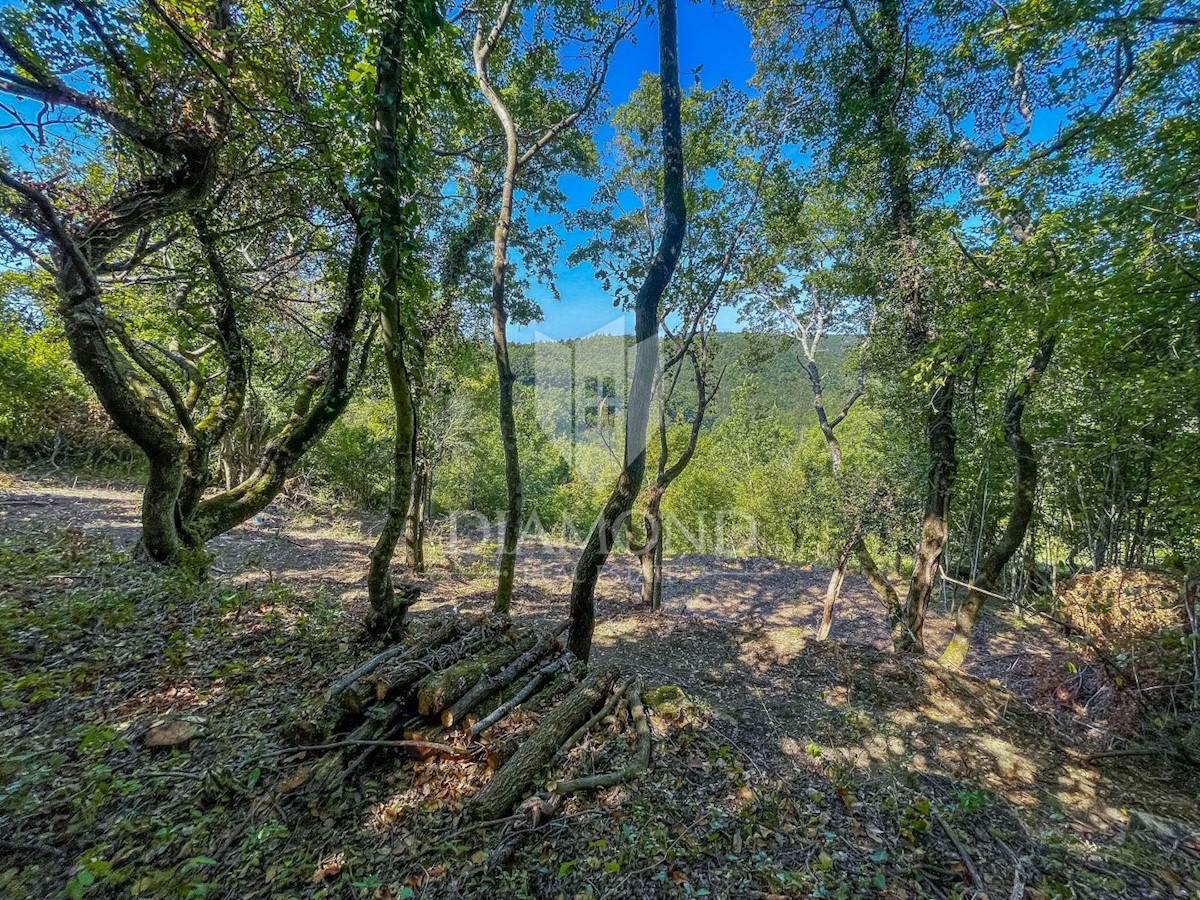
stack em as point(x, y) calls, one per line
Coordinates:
point(909, 633)
point(406, 27)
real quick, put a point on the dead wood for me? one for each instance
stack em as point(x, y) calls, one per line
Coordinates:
point(605, 711)
point(438, 690)
point(438, 636)
point(516, 776)
point(967, 861)
point(489, 684)
point(636, 768)
point(544, 674)
point(533, 813)
point(398, 677)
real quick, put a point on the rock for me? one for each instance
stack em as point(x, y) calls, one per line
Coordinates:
point(169, 733)
point(666, 700)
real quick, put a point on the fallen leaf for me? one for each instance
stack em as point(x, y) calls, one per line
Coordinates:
point(328, 869)
point(296, 779)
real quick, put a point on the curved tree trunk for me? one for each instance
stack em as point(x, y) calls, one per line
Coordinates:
point(658, 275)
point(482, 50)
point(404, 34)
point(183, 158)
point(836, 577)
point(323, 396)
point(185, 154)
point(1024, 497)
point(650, 554)
point(414, 526)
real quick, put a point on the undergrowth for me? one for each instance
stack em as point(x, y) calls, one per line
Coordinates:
point(99, 648)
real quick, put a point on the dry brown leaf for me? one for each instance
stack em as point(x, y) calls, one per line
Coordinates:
point(328, 868)
point(296, 779)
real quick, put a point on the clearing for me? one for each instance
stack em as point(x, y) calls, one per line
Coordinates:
point(791, 767)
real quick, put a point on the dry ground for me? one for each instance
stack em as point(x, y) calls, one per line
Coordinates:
point(796, 769)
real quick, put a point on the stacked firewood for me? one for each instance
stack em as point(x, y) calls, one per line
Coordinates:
point(444, 690)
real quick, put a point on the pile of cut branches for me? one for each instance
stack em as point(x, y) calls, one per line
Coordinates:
point(444, 690)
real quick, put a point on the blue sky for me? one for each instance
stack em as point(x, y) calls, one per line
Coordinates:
point(710, 37)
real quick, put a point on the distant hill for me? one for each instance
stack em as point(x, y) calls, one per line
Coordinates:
point(594, 370)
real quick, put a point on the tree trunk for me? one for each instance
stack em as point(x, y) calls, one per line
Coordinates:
point(414, 523)
point(646, 559)
point(404, 36)
point(512, 470)
point(656, 594)
point(650, 554)
point(658, 275)
point(508, 425)
point(412, 548)
point(835, 582)
point(321, 399)
point(909, 634)
point(879, 583)
point(160, 501)
point(1024, 497)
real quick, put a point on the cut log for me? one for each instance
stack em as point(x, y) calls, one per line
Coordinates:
point(379, 722)
point(438, 690)
point(544, 674)
point(489, 684)
point(437, 636)
point(401, 675)
point(637, 766)
point(514, 779)
point(561, 684)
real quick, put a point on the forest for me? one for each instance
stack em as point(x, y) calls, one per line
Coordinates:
point(542, 448)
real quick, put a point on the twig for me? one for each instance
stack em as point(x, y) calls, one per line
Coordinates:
point(365, 669)
point(535, 683)
point(1110, 754)
point(1018, 888)
point(591, 723)
point(958, 846)
point(194, 776)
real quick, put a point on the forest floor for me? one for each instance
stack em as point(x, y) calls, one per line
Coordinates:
point(794, 768)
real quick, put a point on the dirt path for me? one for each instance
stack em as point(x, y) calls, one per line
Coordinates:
point(330, 553)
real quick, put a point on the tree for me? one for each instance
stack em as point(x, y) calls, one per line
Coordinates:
point(859, 68)
point(727, 156)
point(1030, 258)
point(519, 152)
point(189, 133)
point(407, 34)
point(814, 286)
point(658, 276)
